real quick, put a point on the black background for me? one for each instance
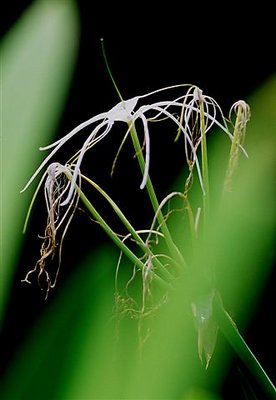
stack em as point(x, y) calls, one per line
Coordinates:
point(224, 49)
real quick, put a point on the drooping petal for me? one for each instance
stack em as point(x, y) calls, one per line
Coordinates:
point(147, 158)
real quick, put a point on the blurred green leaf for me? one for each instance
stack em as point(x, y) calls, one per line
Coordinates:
point(70, 337)
point(37, 58)
point(242, 238)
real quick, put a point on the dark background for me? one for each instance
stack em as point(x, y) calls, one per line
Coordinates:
point(224, 49)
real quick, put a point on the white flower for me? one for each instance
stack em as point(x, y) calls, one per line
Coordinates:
point(56, 187)
point(185, 111)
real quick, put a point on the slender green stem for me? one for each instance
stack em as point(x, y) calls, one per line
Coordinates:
point(161, 268)
point(109, 71)
point(230, 331)
point(115, 238)
point(192, 224)
point(160, 218)
point(175, 253)
point(204, 162)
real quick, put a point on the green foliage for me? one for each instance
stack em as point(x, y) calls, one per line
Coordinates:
point(35, 81)
point(78, 350)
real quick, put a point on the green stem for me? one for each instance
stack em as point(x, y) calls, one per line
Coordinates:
point(131, 229)
point(115, 238)
point(192, 225)
point(230, 331)
point(204, 163)
point(109, 71)
point(175, 253)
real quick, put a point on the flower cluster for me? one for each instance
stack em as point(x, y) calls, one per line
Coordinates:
point(192, 113)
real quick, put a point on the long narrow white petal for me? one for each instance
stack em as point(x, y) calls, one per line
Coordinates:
point(58, 145)
point(75, 130)
point(147, 158)
point(84, 148)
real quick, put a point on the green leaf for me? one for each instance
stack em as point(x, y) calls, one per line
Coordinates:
point(242, 236)
point(69, 344)
point(37, 57)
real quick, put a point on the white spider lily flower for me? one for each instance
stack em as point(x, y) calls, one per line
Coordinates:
point(56, 187)
point(120, 112)
point(188, 105)
point(189, 125)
